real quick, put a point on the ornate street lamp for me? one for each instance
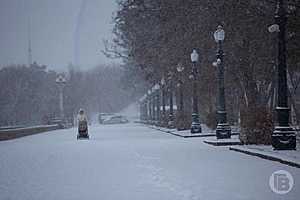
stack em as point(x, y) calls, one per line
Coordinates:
point(153, 105)
point(149, 106)
point(180, 69)
point(143, 108)
point(284, 136)
point(61, 82)
point(145, 105)
point(163, 99)
point(196, 126)
point(157, 103)
point(223, 129)
point(171, 110)
point(180, 121)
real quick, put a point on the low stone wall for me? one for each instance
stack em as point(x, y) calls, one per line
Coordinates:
point(10, 127)
point(21, 132)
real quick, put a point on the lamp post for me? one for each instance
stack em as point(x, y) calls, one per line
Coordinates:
point(143, 108)
point(163, 99)
point(196, 126)
point(171, 110)
point(180, 121)
point(143, 111)
point(284, 136)
point(61, 82)
point(149, 106)
point(180, 69)
point(153, 105)
point(223, 129)
point(157, 102)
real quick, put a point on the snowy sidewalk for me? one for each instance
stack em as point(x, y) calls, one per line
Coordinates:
point(206, 132)
point(132, 161)
point(289, 157)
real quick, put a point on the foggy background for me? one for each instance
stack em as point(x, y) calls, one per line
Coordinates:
point(62, 31)
point(66, 36)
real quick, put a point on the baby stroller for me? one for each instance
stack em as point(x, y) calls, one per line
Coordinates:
point(83, 130)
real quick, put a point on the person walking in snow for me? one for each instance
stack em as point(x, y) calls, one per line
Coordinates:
point(81, 116)
point(82, 125)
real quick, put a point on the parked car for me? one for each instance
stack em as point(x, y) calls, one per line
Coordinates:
point(104, 116)
point(116, 119)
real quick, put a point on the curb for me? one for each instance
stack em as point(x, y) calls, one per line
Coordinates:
point(182, 136)
point(223, 143)
point(264, 156)
point(187, 136)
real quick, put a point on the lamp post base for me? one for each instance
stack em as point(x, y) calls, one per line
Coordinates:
point(223, 131)
point(171, 124)
point(196, 127)
point(284, 138)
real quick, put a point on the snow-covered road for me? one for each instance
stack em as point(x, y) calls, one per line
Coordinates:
point(132, 162)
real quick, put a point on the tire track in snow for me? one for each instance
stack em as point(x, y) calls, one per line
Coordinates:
point(155, 176)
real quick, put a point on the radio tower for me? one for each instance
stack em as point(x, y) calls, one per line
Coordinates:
point(29, 44)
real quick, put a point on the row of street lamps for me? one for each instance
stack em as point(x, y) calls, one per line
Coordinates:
point(151, 108)
point(283, 136)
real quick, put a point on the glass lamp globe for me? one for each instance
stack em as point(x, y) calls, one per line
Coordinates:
point(194, 56)
point(219, 34)
point(60, 79)
point(180, 67)
point(163, 81)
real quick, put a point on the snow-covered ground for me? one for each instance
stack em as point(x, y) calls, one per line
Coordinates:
point(206, 131)
point(132, 162)
point(291, 156)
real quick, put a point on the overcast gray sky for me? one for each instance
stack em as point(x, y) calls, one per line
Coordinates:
point(62, 31)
